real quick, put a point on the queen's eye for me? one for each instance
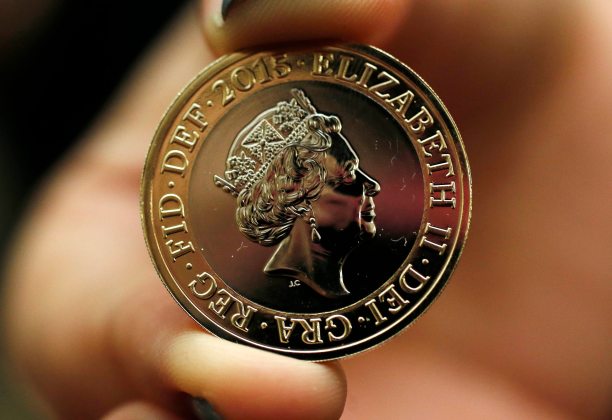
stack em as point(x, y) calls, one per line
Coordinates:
point(350, 169)
point(334, 182)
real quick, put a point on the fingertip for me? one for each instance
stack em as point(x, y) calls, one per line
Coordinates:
point(265, 22)
point(139, 410)
point(242, 382)
point(164, 356)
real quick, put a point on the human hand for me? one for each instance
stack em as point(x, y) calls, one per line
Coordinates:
point(508, 335)
point(89, 322)
point(523, 328)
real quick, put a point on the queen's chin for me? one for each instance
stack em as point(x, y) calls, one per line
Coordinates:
point(368, 230)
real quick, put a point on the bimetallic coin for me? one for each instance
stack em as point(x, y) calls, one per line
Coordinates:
point(308, 202)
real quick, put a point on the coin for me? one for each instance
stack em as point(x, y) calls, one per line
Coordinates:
point(312, 202)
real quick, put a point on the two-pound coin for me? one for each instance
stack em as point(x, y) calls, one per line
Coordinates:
point(309, 202)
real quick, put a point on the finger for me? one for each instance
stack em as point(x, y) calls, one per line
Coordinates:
point(464, 49)
point(238, 381)
point(271, 22)
point(139, 410)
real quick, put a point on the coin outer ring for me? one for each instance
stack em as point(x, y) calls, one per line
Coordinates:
point(194, 284)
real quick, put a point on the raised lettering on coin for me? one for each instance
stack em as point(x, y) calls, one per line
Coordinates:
point(308, 202)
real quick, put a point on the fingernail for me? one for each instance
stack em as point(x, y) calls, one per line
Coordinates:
point(203, 410)
point(226, 6)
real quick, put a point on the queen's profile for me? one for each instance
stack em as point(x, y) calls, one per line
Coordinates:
point(299, 187)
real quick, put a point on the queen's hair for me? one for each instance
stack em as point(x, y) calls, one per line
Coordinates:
point(266, 211)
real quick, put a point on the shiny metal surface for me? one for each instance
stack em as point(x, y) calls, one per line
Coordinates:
point(308, 202)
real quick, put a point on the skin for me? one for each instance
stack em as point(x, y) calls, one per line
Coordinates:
point(522, 330)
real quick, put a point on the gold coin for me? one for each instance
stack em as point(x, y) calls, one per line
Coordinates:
point(310, 202)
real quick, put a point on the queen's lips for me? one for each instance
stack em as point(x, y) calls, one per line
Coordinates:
point(367, 212)
point(368, 215)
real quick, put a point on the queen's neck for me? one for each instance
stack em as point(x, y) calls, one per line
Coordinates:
point(297, 257)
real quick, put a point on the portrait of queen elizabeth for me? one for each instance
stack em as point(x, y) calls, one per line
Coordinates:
point(299, 187)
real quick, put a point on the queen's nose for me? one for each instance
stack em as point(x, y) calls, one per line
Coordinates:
point(370, 186)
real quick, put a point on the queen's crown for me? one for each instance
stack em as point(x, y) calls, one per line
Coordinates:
point(258, 144)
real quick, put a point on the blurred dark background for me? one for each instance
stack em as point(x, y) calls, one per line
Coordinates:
point(60, 61)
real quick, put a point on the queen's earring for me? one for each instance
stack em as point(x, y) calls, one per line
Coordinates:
point(315, 236)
